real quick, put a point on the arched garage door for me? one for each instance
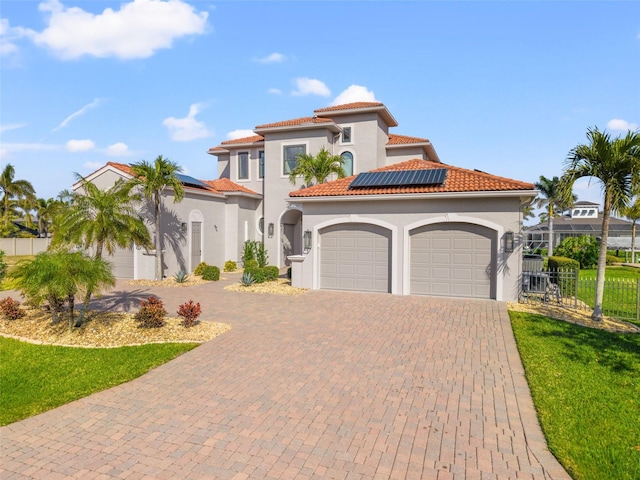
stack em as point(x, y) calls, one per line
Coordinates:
point(355, 256)
point(453, 259)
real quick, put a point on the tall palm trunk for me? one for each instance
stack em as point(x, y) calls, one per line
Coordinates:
point(550, 223)
point(87, 297)
point(633, 242)
point(158, 237)
point(598, 314)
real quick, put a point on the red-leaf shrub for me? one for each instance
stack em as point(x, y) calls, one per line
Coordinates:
point(189, 312)
point(10, 308)
point(151, 313)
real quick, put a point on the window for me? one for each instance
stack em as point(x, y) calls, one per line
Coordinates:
point(243, 165)
point(290, 157)
point(592, 212)
point(347, 163)
point(346, 134)
point(261, 164)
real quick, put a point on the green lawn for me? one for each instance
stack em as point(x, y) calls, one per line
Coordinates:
point(36, 378)
point(585, 385)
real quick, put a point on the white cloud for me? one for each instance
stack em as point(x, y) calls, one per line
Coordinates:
point(355, 93)
point(310, 86)
point(188, 128)
point(136, 30)
point(13, 126)
point(82, 111)
point(8, 37)
point(29, 147)
point(118, 150)
point(273, 58)
point(274, 91)
point(80, 145)
point(235, 134)
point(621, 125)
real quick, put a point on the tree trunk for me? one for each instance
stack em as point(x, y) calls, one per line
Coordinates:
point(158, 243)
point(633, 242)
point(550, 222)
point(598, 314)
point(71, 301)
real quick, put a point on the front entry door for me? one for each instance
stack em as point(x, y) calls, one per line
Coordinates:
point(196, 244)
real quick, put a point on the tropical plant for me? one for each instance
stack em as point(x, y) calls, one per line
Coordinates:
point(45, 212)
point(181, 277)
point(261, 254)
point(3, 266)
point(615, 163)
point(552, 201)
point(248, 251)
point(151, 313)
point(10, 309)
point(189, 312)
point(57, 277)
point(153, 179)
point(247, 279)
point(632, 212)
point(12, 192)
point(102, 219)
point(317, 167)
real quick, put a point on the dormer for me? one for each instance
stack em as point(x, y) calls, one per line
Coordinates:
point(584, 209)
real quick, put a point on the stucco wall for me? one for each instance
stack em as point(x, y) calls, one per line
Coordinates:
point(401, 216)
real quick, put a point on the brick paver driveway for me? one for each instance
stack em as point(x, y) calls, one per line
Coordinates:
point(322, 385)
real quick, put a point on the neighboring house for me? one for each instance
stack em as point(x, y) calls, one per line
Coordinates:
point(400, 222)
point(581, 219)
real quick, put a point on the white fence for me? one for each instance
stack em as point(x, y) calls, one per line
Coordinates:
point(23, 246)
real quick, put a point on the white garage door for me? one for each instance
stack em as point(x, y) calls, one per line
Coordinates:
point(453, 259)
point(355, 257)
point(121, 262)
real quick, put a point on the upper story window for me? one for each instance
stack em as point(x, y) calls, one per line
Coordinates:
point(346, 135)
point(243, 165)
point(261, 164)
point(592, 212)
point(347, 163)
point(290, 157)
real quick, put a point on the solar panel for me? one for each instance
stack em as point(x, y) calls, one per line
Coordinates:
point(187, 180)
point(400, 178)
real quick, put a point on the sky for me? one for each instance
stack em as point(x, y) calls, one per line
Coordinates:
point(508, 88)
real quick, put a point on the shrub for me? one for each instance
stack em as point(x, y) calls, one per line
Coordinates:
point(249, 251)
point(189, 312)
point(230, 266)
point(563, 263)
point(199, 268)
point(261, 255)
point(256, 272)
point(251, 264)
point(181, 276)
point(151, 313)
point(271, 273)
point(10, 308)
point(211, 272)
point(584, 249)
point(247, 279)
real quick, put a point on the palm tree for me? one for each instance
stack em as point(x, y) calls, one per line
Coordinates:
point(45, 211)
point(551, 199)
point(57, 277)
point(153, 179)
point(13, 191)
point(103, 219)
point(632, 212)
point(319, 167)
point(615, 163)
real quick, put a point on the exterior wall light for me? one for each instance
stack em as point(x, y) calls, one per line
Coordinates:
point(183, 227)
point(508, 242)
point(306, 240)
point(271, 229)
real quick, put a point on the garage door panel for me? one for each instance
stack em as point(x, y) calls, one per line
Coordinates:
point(453, 259)
point(121, 262)
point(355, 257)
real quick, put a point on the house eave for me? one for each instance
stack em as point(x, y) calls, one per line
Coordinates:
point(332, 127)
point(522, 194)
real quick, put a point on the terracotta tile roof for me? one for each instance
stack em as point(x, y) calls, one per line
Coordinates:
point(404, 140)
point(296, 122)
point(457, 180)
point(226, 185)
point(349, 106)
point(122, 167)
point(251, 139)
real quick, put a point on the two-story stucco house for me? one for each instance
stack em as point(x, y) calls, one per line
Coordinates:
point(401, 221)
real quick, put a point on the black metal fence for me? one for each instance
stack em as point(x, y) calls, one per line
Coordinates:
point(566, 288)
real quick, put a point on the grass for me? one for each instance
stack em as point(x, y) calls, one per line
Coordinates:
point(585, 385)
point(36, 378)
point(620, 293)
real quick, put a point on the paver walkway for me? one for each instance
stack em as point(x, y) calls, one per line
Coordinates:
point(322, 385)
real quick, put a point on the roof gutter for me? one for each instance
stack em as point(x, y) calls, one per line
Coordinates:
point(523, 194)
